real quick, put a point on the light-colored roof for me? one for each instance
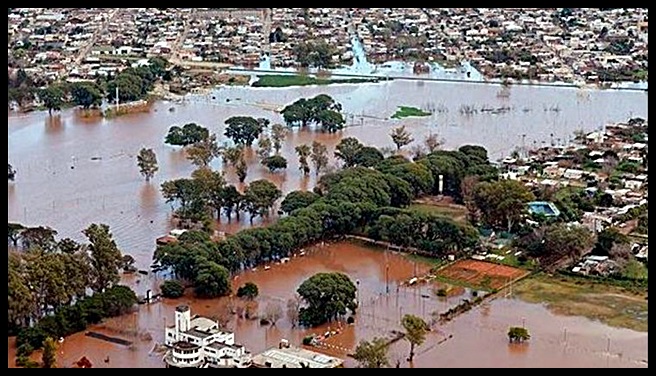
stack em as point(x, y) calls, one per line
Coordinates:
point(293, 357)
point(202, 324)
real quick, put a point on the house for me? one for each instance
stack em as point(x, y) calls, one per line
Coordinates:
point(294, 357)
point(199, 343)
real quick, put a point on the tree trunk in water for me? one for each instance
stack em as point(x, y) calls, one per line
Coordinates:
point(412, 352)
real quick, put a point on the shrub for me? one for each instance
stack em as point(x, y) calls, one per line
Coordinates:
point(172, 289)
point(307, 341)
point(248, 291)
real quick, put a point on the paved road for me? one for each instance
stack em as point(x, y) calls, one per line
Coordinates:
point(85, 50)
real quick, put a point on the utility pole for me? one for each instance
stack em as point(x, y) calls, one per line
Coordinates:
point(117, 100)
point(387, 279)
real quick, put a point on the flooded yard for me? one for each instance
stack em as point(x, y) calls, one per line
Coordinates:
point(475, 339)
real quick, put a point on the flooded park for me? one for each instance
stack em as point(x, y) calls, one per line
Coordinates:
point(477, 338)
point(73, 171)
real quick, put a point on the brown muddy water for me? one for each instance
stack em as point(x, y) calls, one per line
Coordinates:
point(105, 185)
point(475, 339)
point(74, 171)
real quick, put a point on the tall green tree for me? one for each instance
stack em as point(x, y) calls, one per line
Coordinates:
point(278, 134)
point(260, 197)
point(212, 280)
point(347, 150)
point(189, 134)
point(319, 156)
point(298, 200)
point(86, 94)
point(401, 137)
point(415, 332)
point(304, 152)
point(52, 98)
point(327, 297)
point(243, 130)
point(106, 258)
point(147, 162)
point(502, 203)
point(203, 152)
point(49, 356)
point(372, 354)
point(275, 163)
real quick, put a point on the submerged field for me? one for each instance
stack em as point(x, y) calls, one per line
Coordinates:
point(609, 304)
point(299, 80)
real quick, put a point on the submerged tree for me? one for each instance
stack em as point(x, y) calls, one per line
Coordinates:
point(304, 152)
point(147, 162)
point(278, 134)
point(401, 137)
point(12, 173)
point(202, 153)
point(106, 258)
point(415, 332)
point(49, 356)
point(372, 354)
point(433, 142)
point(518, 335)
point(328, 296)
point(319, 156)
point(241, 169)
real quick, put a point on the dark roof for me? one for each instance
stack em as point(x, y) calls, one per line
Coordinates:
point(185, 346)
point(198, 334)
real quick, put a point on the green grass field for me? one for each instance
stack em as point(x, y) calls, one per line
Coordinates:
point(298, 80)
point(447, 211)
point(609, 304)
point(405, 112)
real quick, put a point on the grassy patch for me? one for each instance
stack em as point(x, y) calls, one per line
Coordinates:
point(461, 283)
point(297, 80)
point(404, 112)
point(447, 211)
point(609, 304)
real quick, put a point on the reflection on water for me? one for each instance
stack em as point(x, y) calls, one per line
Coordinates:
point(474, 339)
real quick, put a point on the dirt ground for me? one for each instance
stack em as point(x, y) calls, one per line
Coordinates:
point(480, 273)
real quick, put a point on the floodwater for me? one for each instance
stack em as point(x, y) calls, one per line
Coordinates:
point(475, 339)
point(74, 171)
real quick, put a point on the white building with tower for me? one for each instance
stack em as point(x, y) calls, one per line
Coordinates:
point(199, 343)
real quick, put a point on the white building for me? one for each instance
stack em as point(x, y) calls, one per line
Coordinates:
point(199, 343)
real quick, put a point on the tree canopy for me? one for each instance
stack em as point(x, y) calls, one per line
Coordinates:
point(372, 354)
point(415, 332)
point(244, 130)
point(147, 162)
point(322, 110)
point(327, 297)
point(189, 134)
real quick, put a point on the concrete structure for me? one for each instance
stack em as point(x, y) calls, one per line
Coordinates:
point(548, 209)
point(294, 357)
point(198, 343)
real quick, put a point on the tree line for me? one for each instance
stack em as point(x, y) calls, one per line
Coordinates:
point(134, 83)
point(356, 199)
point(50, 281)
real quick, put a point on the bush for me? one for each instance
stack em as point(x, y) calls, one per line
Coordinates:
point(248, 291)
point(113, 302)
point(307, 341)
point(441, 293)
point(172, 289)
point(350, 320)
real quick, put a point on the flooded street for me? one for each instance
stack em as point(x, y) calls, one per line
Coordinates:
point(478, 337)
point(73, 171)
